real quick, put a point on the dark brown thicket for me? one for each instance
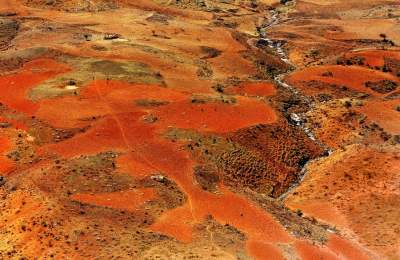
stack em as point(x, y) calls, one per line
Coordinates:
point(269, 158)
point(8, 31)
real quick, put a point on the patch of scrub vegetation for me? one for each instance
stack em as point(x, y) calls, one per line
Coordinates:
point(165, 54)
point(150, 103)
point(224, 159)
point(73, 5)
point(10, 61)
point(204, 70)
point(85, 174)
point(225, 236)
point(236, 166)
point(224, 99)
point(87, 69)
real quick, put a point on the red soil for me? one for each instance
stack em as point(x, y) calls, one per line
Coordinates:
point(359, 199)
point(108, 134)
point(122, 130)
point(99, 99)
point(14, 87)
point(321, 210)
point(177, 223)
point(215, 117)
point(124, 200)
point(261, 251)
point(309, 252)
point(346, 249)
point(232, 62)
point(115, 121)
point(118, 126)
point(132, 164)
point(374, 57)
point(336, 248)
point(15, 123)
point(11, 6)
point(254, 222)
point(384, 113)
point(115, 102)
point(353, 77)
point(69, 112)
point(12, 219)
point(181, 113)
point(6, 165)
point(254, 89)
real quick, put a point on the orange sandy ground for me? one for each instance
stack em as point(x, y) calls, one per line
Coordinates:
point(374, 57)
point(262, 250)
point(384, 113)
point(120, 127)
point(354, 77)
point(370, 189)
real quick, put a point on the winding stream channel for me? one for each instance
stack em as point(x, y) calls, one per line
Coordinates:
point(297, 119)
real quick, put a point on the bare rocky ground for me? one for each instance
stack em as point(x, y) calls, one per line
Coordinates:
point(199, 129)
